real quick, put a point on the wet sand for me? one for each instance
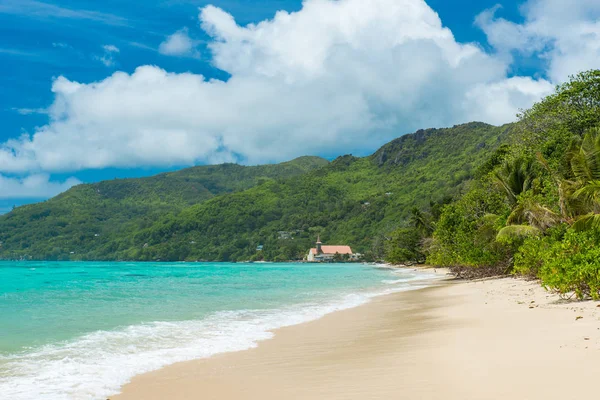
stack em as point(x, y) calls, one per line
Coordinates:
point(494, 339)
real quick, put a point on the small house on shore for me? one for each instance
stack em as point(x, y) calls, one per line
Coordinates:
point(321, 253)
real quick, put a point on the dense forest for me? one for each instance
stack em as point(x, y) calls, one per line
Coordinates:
point(204, 213)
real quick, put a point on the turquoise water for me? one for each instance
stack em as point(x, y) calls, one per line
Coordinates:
point(76, 330)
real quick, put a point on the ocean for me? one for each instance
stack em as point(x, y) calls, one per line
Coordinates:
point(80, 330)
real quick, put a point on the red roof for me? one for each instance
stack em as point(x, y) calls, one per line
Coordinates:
point(333, 250)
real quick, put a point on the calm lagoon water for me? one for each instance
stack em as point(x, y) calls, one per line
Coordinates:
point(80, 330)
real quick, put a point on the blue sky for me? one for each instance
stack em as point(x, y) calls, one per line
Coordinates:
point(513, 55)
point(37, 46)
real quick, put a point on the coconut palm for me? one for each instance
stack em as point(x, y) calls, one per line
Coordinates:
point(584, 156)
point(528, 217)
point(534, 214)
point(420, 221)
point(515, 177)
point(584, 189)
point(589, 196)
point(564, 187)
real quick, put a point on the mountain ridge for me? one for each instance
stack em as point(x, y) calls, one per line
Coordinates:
point(350, 200)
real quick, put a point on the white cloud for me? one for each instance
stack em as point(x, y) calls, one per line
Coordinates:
point(108, 58)
point(179, 44)
point(109, 48)
point(336, 77)
point(566, 34)
point(502, 97)
point(33, 186)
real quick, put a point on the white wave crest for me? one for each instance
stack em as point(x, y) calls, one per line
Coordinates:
point(96, 365)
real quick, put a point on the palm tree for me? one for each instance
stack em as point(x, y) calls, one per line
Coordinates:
point(515, 177)
point(534, 214)
point(420, 221)
point(584, 156)
point(563, 187)
point(527, 217)
point(584, 189)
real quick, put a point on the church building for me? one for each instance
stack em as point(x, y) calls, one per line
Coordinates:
point(321, 253)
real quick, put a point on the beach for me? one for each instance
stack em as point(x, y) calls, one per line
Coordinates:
point(491, 339)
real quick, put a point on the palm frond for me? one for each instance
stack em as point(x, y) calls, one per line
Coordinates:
point(564, 186)
point(584, 156)
point(517, 216)
point(515, 177)
point(587, 222)
point(512, 232)
point(533, 213)
point(590, 191)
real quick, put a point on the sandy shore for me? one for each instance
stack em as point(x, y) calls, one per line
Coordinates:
point(496, 339)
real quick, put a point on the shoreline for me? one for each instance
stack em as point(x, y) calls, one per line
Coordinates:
point(97, 364)
point(490, 339)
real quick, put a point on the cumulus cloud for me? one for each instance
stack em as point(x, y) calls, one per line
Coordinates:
point(565, 34)
point(501, 97)
point(335, 77)
point(108, 58)
point(179, 44)
point(36, 186)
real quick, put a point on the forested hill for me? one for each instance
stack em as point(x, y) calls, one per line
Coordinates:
point(354, 201)
point(88, 216)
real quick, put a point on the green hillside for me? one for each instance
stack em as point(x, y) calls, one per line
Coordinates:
point(87, 218)
point(352, 200)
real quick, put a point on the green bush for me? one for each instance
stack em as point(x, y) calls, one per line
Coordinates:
point(573, 265)
point(404, 246)
point(532, 255)
point(533, 252)
point(566, 265)
point(465, 235)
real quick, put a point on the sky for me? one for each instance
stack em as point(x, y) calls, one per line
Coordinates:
point(95, 90)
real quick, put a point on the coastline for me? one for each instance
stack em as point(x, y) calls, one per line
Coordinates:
point(187, 312)
point(490, 339)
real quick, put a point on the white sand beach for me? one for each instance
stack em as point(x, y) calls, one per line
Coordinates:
point(492, 339)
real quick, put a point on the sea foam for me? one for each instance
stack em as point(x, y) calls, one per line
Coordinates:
point(97, 364)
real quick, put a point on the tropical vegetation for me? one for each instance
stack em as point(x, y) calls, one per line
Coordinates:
point(535, 211)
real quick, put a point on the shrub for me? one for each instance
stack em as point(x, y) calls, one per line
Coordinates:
point(531, 256)
point(535, 250)
point(465, 235)
point(404, 246)
point(570, 265)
